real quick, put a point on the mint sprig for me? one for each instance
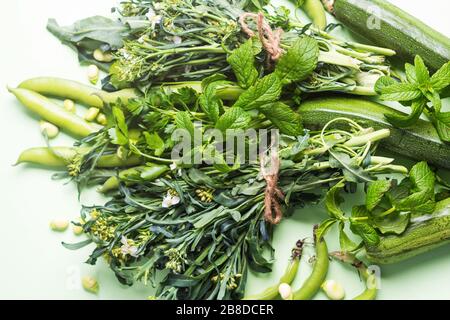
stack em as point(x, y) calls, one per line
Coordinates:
point(419, 88)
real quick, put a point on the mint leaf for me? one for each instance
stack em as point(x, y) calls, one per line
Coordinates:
point(346, 244)
point(423, 178)
point(366, 232)
point(384, 82)
point(333, 201)
point(299, 61)
point(441, 79)
point(422, 73)
point(283, 117)
point(442, 123)
point(209, 102)
point(242, 61)
point(400, 92)
point(265, 90)
point(394, 223)
point(410, 71)
point(408, 120)
point(155, 143)
point(375, 192)
point(183, 121)
point(360, 212)
point(233, 118)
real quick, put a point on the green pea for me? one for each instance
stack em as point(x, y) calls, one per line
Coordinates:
point(84, 94)
point(312, 285)
point(51, 112)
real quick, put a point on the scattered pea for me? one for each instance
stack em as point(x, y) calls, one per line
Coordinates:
point(77, 230)
point(59, 225)
point(69, 105)
point(90, 284)
point(333, 289)
point(49, 130)
point(101, 56)
point(101, 119)
point(91, 114)
point(93, 73)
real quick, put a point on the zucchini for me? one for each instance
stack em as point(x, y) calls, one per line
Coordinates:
point(420, 142)
point(424, 234)
point(387, 25)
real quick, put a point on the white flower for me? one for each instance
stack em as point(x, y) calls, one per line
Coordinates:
point(124, 53)
point(158, 6)
point(154, 18)
point(141, 40)
point(177, 40)
point(173, 166)
point(128, 249)
point(170, 200)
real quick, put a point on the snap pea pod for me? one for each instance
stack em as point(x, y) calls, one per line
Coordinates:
point(312, 285)
point(148, 173)
point(48, 110)
point(315, 11)
point(288, 277)
point(59, 157)
point(84, 94)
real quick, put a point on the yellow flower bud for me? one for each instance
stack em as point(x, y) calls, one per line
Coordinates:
point(90, 284)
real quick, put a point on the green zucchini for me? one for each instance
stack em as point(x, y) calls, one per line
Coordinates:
point(420, 142)
point(385, 24)
point(424, 234)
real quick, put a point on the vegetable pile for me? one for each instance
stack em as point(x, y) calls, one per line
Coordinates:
point(193, 220)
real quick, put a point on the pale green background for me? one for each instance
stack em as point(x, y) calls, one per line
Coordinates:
point(33, 264)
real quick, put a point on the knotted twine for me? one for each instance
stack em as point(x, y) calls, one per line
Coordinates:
point(273, 194)
point(270, 39)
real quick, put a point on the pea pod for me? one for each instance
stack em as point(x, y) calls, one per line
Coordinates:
point(84, 94)
point(315, 11)
point(312, 285)
point(48, 110)
point(288, 277)
point(129, 176)
point(62, 156)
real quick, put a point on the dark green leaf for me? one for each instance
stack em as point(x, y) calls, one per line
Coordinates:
point(360, 212)
point(283, 117)
point(375, 192)
point(242, 61)
point(233, 118)
point(366, 232)
point(76, 246)
point(299, 61)
point(394, 223)
point(441, 79)
point(352, 171)
point(442, 124)
point(101, 29)
point(265, 90)
point(422, 73)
